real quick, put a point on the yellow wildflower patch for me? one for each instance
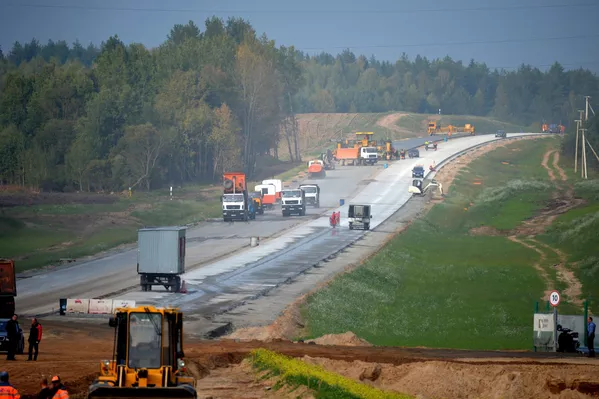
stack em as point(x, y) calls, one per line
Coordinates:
point(295, 371)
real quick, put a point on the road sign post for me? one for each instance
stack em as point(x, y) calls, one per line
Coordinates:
point(554, 299)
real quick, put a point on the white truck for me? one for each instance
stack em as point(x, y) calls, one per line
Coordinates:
point(293, 201)
point(359, 217)
point(369, 155)
point(312, 194)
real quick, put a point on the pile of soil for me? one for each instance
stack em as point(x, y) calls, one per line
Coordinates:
point(345, 339)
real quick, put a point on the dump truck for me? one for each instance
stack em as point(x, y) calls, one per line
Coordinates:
point(293, 201)
point(8, 288)
point(148, 360)
point(235, 199)
point(161, 257)
point(361, 153)
point(316, 169)
point(359, 216)
point(312, 192)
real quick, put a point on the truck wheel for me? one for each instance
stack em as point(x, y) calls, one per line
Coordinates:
point(351, 226)
point(285, 214)
point(176, 287)
point(367, 226)
point(317, 205)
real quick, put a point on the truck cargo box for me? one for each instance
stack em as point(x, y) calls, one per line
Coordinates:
point(8, 282)
point(161, 250)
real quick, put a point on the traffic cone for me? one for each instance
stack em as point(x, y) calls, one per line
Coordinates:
point(183, 289)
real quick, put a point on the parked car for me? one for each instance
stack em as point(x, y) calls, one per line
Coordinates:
point(413, 153)
point(4, 339)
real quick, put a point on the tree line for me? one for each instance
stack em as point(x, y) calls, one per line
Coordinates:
point(213, 99)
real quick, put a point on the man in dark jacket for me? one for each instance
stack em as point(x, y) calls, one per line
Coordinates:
point(46, 392)
point(35, 336)
point(14, 336)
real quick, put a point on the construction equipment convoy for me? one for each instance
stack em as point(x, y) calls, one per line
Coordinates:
point(312, 192)
point(8, 288)
point(148, 359)
point(359, 216)
point(161, 257)
point(434, 128)
point(235, 200)
point(552, 128)
point(293, 202)
point(357, 153)
point(316, 169)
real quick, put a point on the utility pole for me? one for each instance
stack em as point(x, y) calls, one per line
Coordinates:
point(583, 169)
point(576, 150)
point(586, 114)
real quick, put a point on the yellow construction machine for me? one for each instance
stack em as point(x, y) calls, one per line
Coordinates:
point(148, 357)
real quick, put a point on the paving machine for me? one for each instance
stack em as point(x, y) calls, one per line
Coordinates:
point(148, 359)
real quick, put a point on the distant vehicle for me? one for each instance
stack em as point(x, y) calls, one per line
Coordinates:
point(4, 338)
point(500, 133)
point(414, 153)
point(293, 202)
point(418, 171)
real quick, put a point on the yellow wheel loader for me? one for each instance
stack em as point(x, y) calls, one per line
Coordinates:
point(148, 357)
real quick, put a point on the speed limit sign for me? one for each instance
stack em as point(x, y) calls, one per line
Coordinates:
point(554, 298)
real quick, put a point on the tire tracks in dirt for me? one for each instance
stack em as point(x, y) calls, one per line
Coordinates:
point(562, 201)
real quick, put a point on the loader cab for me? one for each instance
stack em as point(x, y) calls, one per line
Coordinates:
point(417, 183)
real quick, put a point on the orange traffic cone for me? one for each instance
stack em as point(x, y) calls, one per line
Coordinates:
point(183, 289)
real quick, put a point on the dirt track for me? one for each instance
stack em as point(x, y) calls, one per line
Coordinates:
point(75, 352)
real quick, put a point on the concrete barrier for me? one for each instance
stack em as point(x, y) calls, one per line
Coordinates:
point(77, 305)
point(122, 303)
point(100, 306)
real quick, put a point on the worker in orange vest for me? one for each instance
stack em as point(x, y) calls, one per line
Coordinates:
point(7, 391)
point(332, 220)
point(60, 392)
point(338, 218)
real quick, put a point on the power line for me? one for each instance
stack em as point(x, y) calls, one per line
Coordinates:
point(319, 11)
point(537, 39)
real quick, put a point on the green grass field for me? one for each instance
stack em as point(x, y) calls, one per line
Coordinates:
point(440, 285)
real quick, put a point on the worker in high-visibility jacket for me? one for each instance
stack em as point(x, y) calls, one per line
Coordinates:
point(60, 392)
point(7, 391)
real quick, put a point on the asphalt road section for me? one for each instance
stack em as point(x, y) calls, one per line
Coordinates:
point(224, 285)
point(39, 292)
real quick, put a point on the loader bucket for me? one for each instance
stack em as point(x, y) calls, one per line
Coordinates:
point(108, 392)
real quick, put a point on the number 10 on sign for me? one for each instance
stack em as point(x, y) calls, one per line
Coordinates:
point(554, 298)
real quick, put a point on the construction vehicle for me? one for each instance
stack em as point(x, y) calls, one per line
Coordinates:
point(434, 127)
point(235, 199)
point(268, 193)
point(328, 159)
point(312, 192)
point(316, 169)
point(256, 196)
point(417, 187)
point(148, 359)
point(361, 153)
point(161, 257)
point(389, 153)
point(278, 187)
point(359, 216)
point(8, 288)
point(293, 201)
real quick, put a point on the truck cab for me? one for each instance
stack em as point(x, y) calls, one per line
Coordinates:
point(312, 192)
point(235, 207)
point(369, 155)
point(359, 216)
point(293, 201)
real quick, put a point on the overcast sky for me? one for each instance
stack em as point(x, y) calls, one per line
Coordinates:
point(502, 34)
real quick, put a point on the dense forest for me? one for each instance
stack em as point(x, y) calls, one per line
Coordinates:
point(117, 116)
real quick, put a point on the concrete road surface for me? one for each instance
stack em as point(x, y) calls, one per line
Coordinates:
point(223, 285)
point(39, 294)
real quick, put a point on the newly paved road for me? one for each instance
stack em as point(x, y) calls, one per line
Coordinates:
point(223, 285)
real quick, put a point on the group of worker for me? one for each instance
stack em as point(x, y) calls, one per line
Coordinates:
point(13, 333)
point(54, 391)
point(335, 219)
